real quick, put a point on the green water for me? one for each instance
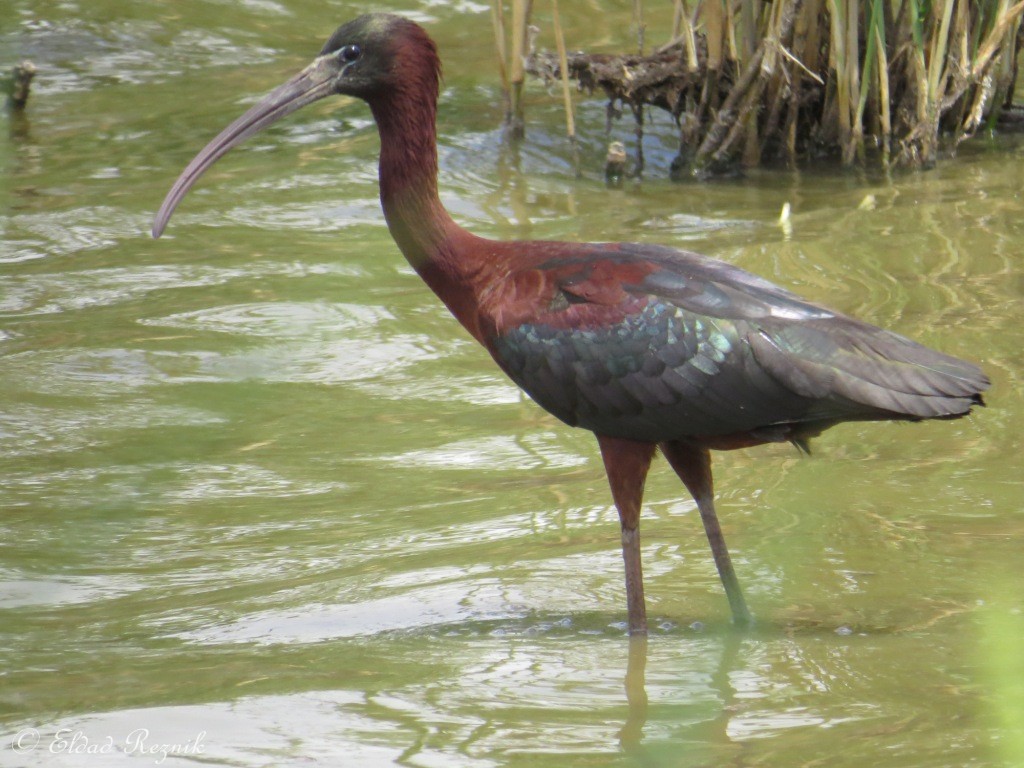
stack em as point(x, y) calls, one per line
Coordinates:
point(264, 503)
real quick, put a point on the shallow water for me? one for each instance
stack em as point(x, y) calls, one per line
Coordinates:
point(262, 502)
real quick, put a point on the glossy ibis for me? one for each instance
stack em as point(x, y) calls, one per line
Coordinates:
point(646, 346)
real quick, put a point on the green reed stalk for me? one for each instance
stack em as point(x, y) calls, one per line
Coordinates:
point(563, 65)
point(501, 51)
point(520, 21)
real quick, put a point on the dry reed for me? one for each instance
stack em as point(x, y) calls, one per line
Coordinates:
point(750, 81)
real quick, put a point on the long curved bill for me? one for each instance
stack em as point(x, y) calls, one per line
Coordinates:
point(313, 83)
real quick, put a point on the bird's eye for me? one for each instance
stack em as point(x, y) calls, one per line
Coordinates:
point(349, 53)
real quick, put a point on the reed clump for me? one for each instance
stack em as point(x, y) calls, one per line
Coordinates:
point(751, 82)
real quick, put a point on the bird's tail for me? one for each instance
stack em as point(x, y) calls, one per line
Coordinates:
point(854, 370)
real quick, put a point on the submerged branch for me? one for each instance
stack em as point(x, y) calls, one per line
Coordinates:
point(20, 85)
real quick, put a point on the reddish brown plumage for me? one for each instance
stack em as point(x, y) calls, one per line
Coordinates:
point(648, 347)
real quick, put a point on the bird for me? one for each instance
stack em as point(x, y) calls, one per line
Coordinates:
point(649, 347)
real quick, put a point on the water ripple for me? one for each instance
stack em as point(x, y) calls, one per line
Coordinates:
point(80, 55)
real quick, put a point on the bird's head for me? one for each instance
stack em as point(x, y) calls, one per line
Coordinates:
point(378, 54)
point(377, 57)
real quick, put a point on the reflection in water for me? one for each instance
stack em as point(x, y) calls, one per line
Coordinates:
point(714, 728)
point(718, 728)
point(636, 694)
point(19, 126)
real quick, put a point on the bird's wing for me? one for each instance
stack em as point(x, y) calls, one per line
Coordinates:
point(657, 344)
point(818, 352)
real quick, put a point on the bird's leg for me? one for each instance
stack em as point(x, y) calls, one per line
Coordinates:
point(693, 465)
point(626, 462)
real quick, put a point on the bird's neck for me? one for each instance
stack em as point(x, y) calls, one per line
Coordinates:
point(408, 179)
point(447, 257)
